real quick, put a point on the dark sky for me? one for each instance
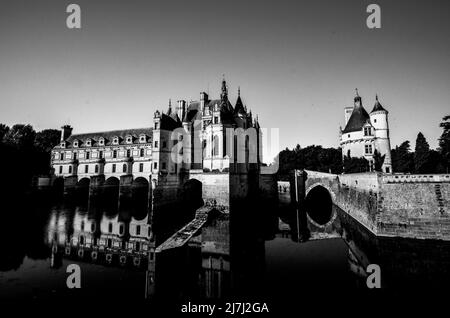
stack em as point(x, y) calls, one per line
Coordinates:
point(297, 62)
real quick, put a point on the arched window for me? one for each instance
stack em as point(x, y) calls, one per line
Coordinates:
point(124, 168)
point(216, 146)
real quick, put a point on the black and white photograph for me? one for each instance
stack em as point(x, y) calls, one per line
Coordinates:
point(224, 158)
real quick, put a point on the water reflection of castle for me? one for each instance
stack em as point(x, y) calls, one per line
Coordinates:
point(98, 237)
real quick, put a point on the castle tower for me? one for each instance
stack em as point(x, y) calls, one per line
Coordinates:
point(379, 120)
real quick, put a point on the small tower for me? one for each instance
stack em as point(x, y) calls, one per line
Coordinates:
point(379, 120)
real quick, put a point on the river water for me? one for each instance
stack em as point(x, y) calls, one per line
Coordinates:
point(112, 245)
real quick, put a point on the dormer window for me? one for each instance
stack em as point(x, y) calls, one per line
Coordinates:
point(129, 139)
point(88, 143)
point(63, 144)
point(368, 131)
point(115, 141)
point(142, 138)
point(75, 143)
point(101, 141)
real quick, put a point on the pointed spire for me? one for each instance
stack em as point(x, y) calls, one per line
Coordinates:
point(224, 94)
point(377, 107)
point(239, 91)
point(169, 111)
point(357, 99)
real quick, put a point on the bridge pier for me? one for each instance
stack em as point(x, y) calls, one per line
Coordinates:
point(96, 185)
point(70, 184)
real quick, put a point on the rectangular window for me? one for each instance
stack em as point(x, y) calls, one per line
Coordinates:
point(60, 169)
point(164, 144)
point(156, 126)
point(62, 156)
point(70, 169)
point(141, 167)
point(75, 156)
point(114, 167)
point(163, 165)
point(156, 144)
point(128, 153)
point(138, 230)
point(96, 168)
point(368, 149)
point(142, 153)
point(86, 169)
point(88, 154)
point(100, 155)
point(155, 165)
point(216, 120)
point(115, 154)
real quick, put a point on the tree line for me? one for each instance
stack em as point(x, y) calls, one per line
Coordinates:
point(404, 160)
point(25, 153)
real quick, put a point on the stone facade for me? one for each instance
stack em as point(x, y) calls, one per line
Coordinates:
point(210, 140)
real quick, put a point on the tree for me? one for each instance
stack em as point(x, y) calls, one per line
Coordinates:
point(378, 160)
point(444, 143)
point(47, 139)
point(21, 136)
point(421, 155)
point(354, 165)
point(3, 131)
point(402, 158)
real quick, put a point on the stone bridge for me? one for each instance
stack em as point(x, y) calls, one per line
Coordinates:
point(411, 206)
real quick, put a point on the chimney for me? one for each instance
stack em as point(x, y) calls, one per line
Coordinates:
point(66, 131)
point(181, 109)
point(203, 100)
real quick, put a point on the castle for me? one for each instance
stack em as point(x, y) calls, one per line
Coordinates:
point(366, 133)
point(210, 143)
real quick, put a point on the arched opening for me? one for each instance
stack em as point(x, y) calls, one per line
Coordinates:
point(192, 194)
point(58, 186)
point(82, 189)
point(140, 197)
point(110, 198)
point(319, 205)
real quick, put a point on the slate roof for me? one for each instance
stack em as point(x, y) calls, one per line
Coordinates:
point(378, 107)
point(109, 135)
point(357, 119)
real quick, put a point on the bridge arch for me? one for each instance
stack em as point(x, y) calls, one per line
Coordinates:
point(319, 204)
point(193, 194)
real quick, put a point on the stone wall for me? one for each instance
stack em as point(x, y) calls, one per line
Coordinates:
point(215, 186)
point(410, 206)
point(417, 210)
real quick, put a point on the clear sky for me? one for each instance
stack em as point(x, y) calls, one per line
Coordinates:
point(297, 63)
